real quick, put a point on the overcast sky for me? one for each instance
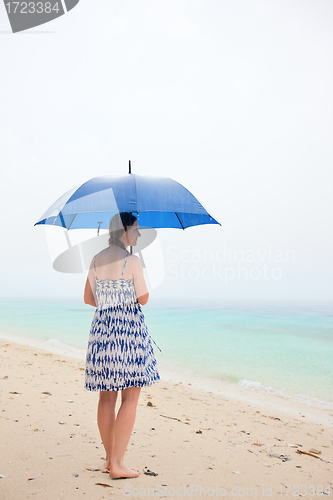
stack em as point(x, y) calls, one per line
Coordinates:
point(232, 98)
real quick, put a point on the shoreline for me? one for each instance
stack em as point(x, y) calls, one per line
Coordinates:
point(299, 376)
point(189, 438)
point(321, 414)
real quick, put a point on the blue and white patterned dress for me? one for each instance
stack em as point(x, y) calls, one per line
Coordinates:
point(120, 352)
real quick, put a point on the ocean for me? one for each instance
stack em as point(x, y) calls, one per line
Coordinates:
point(280, 348)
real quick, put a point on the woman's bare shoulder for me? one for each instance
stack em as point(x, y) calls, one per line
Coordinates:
point(100, 254)
point(134, 261)
point(108, 255)
point(97, 258)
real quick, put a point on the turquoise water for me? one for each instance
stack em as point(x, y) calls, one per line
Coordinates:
point(284, 348)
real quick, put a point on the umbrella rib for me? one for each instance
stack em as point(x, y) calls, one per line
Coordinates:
point(71, 222)
point(63, 223)
point(183, 228)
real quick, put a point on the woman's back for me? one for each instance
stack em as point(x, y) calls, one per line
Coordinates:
point(110, 263)
point(116, 268)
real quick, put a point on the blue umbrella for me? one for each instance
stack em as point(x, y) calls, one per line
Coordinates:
point(158, 202)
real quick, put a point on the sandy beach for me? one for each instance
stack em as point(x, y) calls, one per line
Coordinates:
point(185, 443)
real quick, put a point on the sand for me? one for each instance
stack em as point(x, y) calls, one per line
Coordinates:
point(199, 444)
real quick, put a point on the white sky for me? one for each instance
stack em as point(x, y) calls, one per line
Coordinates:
point(232, 98)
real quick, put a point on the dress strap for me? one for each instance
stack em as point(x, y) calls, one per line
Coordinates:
point(124, 267)
point(95, 267)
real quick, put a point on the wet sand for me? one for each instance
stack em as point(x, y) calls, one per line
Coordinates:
point(198, 443)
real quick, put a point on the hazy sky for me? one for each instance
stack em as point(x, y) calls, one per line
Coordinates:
point(232, 98)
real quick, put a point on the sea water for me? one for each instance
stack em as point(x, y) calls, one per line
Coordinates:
point(283, 348)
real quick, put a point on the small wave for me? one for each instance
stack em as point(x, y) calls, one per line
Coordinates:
point(282, 393)
point(252, 384)
point(51, 345)
point(61, 348)
point(53, 342)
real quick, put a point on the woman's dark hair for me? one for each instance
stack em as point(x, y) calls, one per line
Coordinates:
point(118, 225)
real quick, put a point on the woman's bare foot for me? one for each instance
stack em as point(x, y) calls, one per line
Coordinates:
point(121, 471)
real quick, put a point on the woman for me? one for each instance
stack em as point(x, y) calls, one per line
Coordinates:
point(120, 356)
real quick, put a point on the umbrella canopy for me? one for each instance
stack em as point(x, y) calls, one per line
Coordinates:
point(159, 202)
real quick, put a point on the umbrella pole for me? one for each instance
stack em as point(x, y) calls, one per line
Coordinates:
point(130, 171)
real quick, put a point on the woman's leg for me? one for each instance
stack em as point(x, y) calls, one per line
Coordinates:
point(106, 421)
point(122, 432)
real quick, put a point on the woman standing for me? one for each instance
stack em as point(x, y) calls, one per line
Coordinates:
point(120, 355)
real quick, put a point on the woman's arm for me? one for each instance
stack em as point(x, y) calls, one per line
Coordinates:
point(140, 285)
point(90, 288)
point(143, 299)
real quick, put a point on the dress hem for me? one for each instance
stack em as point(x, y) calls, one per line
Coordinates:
point(131, 383)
